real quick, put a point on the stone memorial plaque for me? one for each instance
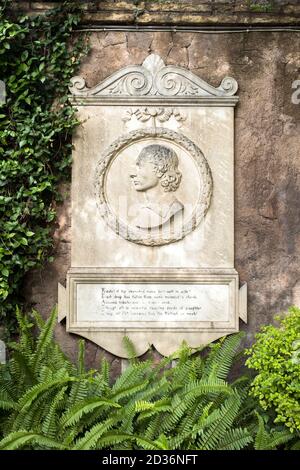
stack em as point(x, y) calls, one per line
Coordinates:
point(152, 211)
point(2, 92)
point(2, 352)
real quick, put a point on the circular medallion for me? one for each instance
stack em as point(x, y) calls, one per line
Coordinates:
point(153, 186)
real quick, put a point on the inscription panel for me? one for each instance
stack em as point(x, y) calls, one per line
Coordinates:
point(133, 303)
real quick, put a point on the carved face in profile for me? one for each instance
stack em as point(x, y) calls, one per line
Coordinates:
point(156, 164)
point(145, 176)
point(157, 176)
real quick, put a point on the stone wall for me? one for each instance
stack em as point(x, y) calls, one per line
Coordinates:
point(211, 12)
point(267, 164)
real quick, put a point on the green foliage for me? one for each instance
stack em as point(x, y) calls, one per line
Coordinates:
point(265, 440)
point(48, 403)
point(261, 6)
point(275, 357)
point(35, 139)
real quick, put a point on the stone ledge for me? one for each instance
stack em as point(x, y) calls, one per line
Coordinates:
point(183, 12)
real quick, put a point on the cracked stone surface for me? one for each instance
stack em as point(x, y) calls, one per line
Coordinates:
point(267, 163)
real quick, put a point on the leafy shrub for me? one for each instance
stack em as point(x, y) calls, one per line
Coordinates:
point(36, 124)
point(275, 357)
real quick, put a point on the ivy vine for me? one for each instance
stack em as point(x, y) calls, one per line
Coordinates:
point(36, 123)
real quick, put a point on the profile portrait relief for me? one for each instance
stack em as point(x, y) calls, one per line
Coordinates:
point(156, 176)
point(153, 186)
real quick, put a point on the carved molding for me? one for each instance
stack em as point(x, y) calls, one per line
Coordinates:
point(166, 339)
point(154, 79)
point(135, 234)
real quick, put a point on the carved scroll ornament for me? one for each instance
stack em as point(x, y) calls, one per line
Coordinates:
point(153, 78)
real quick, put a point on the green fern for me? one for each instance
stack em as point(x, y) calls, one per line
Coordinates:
point(46, 402)
point(265, 440)
point(130, 349)
point(49, 426)
point(86, 406)
point(235, 439)
point(91, 437)
point(220, 360)
point(20, 439)
point(44, 341)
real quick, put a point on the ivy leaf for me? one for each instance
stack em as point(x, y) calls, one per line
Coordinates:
point(24, 56)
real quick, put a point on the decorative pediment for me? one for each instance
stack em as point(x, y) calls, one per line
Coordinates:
point(154, 80)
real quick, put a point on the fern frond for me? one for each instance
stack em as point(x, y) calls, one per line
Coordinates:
point(184, 353)
point(266, 441)
point(279, 438)
point(218, 422)
point(78, 393)
point(126, 415)
point(261, 438)
point(296, 446)
point(49, 425)
point(130, 349)
point(7, 405)
point(152, 392)
point(160, 406)
point(209, 386)
point(104, 371)
point(132, 375)
point(112, 438)
point(40, 322)
point(25, 369)
point(26, 341)
point(154, 427)
point(128, 391)
point(34, 392)
point(91, 437)
point(147, 444)
point(143, 406)
point(180, 373)
point(190, 418)
point(44, 339)
point(17, 440)
point(87, 406)
point(32, 417)
point(220, 360)
point(235, 439)
point(56, 359)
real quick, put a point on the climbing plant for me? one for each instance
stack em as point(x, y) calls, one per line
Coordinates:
point(38, 56)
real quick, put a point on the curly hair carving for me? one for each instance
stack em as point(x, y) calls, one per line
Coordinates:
point(165, 163)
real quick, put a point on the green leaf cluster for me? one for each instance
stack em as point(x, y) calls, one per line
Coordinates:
point(275, 357)
point(183, 402)
point(36, 123)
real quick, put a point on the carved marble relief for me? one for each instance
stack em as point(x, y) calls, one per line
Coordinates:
point(154, 78)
